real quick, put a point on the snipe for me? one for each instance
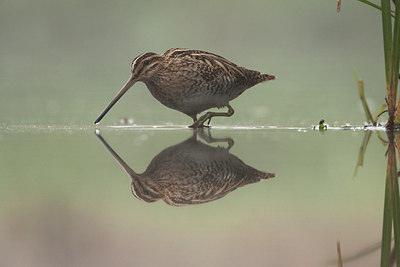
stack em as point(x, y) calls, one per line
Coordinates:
point(191, 81)
point(191, 172)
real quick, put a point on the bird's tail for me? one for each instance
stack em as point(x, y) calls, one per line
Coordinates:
point(268, 77)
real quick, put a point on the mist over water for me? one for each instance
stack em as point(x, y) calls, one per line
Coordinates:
point(64, 200)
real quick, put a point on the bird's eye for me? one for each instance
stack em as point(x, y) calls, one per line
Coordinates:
point(146, 62)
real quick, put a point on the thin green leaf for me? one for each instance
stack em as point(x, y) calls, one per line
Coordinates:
point(363, 99)
point(364, 252)
point(361, 153)
point(371, 4)
point(339, 254)
point(380, 111)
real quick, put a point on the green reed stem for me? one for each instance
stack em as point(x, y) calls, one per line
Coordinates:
point(386, 227)
point(394, 77)
point(396, 46)
point(387, 36)
point(388, 55)
point(387, 210)
point(396, 217)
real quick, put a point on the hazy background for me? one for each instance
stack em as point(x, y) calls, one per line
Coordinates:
point(62, 61)
point(64, 201)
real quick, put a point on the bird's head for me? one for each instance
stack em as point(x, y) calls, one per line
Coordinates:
point(142, 68)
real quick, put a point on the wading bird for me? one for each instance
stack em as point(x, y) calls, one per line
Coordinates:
point(191, 81)
point(190, 172)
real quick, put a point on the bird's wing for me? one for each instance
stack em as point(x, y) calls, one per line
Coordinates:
point(213, 63)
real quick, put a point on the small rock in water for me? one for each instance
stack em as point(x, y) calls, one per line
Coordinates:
point(123, 120)
point(347, 126)
point(126, 121)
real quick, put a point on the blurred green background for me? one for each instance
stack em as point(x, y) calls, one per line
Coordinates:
point(65, 202)
point(62, 61)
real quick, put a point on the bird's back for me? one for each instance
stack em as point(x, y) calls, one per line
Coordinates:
point(193, 80)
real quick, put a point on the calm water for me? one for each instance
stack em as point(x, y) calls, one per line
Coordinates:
point(65, 200)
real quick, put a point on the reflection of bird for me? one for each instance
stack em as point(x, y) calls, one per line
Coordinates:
point(191, 81)
point(191, 172)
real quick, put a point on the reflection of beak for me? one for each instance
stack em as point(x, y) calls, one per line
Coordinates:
point(140, 189)
point(115, 155)
point(121, 92)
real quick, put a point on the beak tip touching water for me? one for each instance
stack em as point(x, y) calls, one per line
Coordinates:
point(97, 121)
point(123, 90)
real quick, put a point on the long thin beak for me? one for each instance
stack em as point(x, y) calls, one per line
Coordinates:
point(121, 92)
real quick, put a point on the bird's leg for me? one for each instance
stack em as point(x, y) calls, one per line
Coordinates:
point(209, 115)
point(194, 117)
point(209, 139)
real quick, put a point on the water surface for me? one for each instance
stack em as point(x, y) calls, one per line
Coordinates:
point(65, 199)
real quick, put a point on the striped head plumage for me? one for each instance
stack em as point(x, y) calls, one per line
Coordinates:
point(144, 65)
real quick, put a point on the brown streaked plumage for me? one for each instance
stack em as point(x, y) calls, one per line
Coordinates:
point(191, 81)
point(190, 172)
